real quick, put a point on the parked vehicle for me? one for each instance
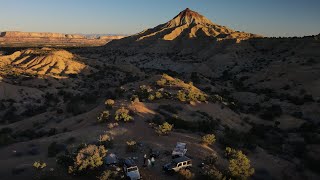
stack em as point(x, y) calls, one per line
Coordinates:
point(178, 164)
point(131, 170)
point(111, 160)
point(180, 150)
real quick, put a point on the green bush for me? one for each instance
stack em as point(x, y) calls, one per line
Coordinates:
point(122, 114)
point(209, 139)
point(151, 97)
point(211, 159)
point(103, 117)
point(164, 129)
point(181, 96)
point(159, 95)
point(89, 157)
point(162, 82)
point(39, 165)
point(213, 173)
point(239, 164)
point(106, 141)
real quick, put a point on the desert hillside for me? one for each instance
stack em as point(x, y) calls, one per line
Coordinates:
point(45, 61)
point(189, 31)
point(246, 106)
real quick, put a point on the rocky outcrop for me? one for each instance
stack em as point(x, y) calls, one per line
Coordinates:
point(16, 38)
point(111, 37)
point(46, 61)
point(17, 34)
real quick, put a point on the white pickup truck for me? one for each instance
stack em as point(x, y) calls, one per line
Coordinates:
point(180, 150)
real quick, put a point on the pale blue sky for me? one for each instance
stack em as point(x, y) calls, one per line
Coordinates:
point(267, 17)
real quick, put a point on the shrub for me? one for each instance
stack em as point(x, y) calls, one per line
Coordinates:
point(209, 139)
point(164, 129)
point(122, 114)
point(151, 97)
point(185, 174)
point(105, 140)
point(89, 157)
point(239, 165)
point(103, 117)
point(112, 125)
point(159, 95)
point(211, 159)
point(214, 174)
point(229, 152)
point(108, 175)
point(181, 96)
point(132, 146)
point(39, 165)
point(161, 82)
point(109, 103)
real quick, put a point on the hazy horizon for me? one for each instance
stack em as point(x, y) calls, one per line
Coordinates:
point(271, 18)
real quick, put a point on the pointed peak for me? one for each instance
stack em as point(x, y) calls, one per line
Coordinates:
point(188, 16)
point(189, 12)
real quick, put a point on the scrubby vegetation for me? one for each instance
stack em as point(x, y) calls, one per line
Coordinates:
point(164, 129)
point(89, 157)
point(213, 173)
point(239, 164)
point(186, 91)
point(39, 165)
point(109, 103)
point(122, 114)
point(103, 117)
point(208, 139)
point(185, 174)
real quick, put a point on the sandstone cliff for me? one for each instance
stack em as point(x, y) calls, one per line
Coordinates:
point(16, 38)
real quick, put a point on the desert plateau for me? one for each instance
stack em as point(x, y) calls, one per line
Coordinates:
point(185, 99)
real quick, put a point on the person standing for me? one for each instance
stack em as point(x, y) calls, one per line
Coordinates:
point(149, 163)
point(144, 160)
point(152, 161)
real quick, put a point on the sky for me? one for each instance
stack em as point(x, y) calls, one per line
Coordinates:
point(265, 17)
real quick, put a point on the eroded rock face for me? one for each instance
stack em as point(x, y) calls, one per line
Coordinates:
point(16, 34)
point(193, 25)
point(111, 37)
point(46, 61)
point(188, 31)
point(16, 38)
